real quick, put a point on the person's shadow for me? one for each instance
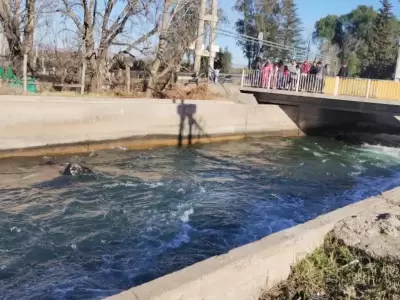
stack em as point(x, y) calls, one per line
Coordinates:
point(187, 111)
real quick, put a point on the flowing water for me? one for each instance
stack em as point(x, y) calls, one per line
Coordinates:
point(148, 213)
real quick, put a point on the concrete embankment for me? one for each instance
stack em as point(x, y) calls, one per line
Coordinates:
point(242, 273)
point(31, 125)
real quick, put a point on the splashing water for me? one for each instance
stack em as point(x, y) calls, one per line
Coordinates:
point(149, 213)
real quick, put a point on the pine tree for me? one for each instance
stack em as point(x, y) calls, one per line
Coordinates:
point(257, 16)
point(290, 27)
point(381, 45)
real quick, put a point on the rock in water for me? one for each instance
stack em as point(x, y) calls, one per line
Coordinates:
point(76, 169)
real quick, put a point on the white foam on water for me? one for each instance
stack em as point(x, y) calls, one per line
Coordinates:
point(277, 197)
point(382, 150)
point(324, 160)
point(118, 184)
point(181, 190)
point(73, 246)
point(154, 184)
point(186, 215)
point(15, 228)
point(318, 154)
point(305, 149)
point(354, 174)
point(319, 147)
point(180, 238)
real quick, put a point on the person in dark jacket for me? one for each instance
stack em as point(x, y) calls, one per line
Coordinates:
point(313, 69)
point(217, 68)
point(343, 71)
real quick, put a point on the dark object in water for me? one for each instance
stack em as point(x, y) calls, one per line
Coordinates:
point(76, 169)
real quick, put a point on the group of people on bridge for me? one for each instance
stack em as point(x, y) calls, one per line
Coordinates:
point(294, 76)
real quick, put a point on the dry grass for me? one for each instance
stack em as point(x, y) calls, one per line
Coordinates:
point(201, 92)
point(6, 89)
point(178, 92)
point(335, 271)
point(181, 92)
point(92, 94)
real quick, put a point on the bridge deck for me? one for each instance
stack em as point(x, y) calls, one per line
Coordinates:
point(292, 96)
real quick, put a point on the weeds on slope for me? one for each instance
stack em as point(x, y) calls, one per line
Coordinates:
point(336, 271)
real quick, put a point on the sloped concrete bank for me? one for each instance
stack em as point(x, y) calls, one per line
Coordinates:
point(32, 125)
point(242, 273)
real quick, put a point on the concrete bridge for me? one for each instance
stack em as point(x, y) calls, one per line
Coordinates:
point(358, 118)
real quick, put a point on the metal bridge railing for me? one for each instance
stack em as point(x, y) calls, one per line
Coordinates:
point(355, 87)
point(283, 81)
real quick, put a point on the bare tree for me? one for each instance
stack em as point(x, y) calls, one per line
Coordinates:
point(17, 17)
point(111, 22)
point(176, 33)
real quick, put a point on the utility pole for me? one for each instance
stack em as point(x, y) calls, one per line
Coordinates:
point(308, 48)
point(397, 72)
point(200, 37)
point(213, 27)
point(212, 19)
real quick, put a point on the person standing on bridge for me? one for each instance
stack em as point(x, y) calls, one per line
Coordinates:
point(305, 71)
point(217, 68)
point(344, 71)
point(293, 75)
point(280, 74)
point(266, 74)
point(320, 77)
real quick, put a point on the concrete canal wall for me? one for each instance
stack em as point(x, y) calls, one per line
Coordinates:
point(242, 273)
point(32, 125)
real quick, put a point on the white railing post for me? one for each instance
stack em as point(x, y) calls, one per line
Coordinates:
point(298, 81)
point(271, 73)
point(242, 81)
point(336, 90)
point(368, 88)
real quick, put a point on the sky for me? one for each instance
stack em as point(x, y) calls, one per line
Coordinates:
point(309, 11)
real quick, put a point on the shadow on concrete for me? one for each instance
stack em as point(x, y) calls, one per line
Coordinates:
point(187, 112)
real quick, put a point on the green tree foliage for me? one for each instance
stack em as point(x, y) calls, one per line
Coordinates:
point(290, 26)
point(353, 34)
point(278, 21)
point(382, 44)
point(225, 57)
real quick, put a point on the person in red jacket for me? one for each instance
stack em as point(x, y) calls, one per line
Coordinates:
point(305, 71)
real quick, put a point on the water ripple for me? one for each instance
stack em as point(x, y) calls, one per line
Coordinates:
point(149, 213)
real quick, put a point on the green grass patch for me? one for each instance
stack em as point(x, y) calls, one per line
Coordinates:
point(336, 271)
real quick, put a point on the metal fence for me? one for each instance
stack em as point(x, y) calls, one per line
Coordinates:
point(300, 82)
point(283, 81)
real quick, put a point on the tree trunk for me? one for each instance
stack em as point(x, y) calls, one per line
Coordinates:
point(11, 17)
point(152, 83)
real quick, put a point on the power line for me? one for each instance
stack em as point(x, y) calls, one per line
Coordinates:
point(297, 52)
point(294, 50)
